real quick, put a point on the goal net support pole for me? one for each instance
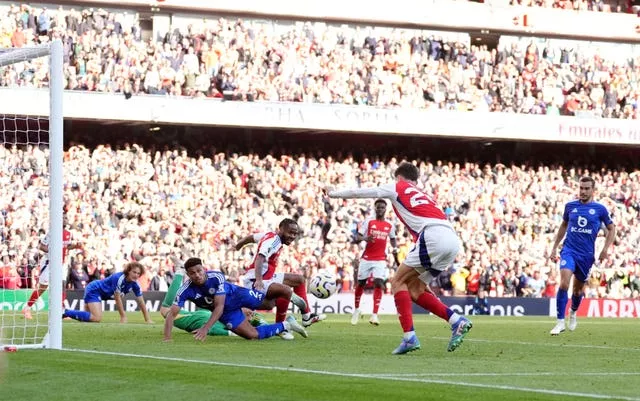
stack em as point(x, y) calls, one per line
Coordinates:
point(14, 325)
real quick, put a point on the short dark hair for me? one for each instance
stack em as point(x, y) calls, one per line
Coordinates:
point(286, 222)
point(380, 200)
point(588, 179)
point(192, 262)
point(408, 171)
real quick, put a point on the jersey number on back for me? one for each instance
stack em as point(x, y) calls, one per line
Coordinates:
point(418, 198)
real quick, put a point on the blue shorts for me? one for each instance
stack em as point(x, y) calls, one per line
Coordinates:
point(580, 266)
point(233, 316)
point(92, 293)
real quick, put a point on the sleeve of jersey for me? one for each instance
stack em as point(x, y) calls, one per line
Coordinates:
point(565, 215)
point(182, 296)
point(364, 227)
point(605, 217)
point(392, 232)
point(385, 191)
point(269, 246)
point(136, 290)
point(258, 236)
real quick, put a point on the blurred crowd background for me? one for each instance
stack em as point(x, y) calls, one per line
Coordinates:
point(255, 60)
point(141, 201)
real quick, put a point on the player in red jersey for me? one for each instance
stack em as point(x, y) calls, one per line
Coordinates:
point(374, 258)
point(436, 247)
point(262, 271)
point(43, 280)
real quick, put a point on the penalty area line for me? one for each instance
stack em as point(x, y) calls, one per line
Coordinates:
point(361, 375)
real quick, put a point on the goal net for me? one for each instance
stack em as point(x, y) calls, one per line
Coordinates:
point(30, 196)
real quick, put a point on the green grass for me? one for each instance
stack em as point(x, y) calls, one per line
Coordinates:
point(502, 358)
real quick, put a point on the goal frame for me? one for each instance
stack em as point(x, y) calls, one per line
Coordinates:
point(53, 50)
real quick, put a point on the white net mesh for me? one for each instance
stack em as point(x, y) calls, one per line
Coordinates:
point(24, 210)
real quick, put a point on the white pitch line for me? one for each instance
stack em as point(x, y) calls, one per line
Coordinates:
point(367, 376)
point(507, 374)
point(547, 344)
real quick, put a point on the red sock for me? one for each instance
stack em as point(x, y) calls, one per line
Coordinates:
point(359, 292)
point(301, 291)
point(403, 306)
point(377, 297)
point(33, 298)
point(431, 303)
point(282, 304)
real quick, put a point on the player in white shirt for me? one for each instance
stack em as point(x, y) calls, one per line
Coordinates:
point(436, 247)
point(373, 262)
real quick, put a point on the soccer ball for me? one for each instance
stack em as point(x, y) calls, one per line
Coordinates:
point(323, 285)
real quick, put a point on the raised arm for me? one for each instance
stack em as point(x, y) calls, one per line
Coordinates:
point(249, 239)
point(385, 191)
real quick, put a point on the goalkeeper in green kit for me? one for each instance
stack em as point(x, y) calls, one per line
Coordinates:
point(192, 321)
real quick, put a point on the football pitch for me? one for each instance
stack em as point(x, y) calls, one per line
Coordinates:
point(502, 358)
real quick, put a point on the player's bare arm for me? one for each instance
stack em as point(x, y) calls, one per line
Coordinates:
point(562, 230)
point(143, 309)
point(120, 306)
point(249, 239)
point(218, 308)
point(261, 260)
point(611, 236)
point(360, 238)
point(394, 251)
point(168, 323)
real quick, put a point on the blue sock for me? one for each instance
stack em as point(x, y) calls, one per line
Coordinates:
point(270, 330)
point(80, 315)
point(561, 303)
point(575, 302)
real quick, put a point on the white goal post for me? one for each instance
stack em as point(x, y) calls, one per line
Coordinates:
point(19, 134)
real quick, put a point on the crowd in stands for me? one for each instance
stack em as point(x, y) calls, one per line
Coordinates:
point(158, 205)
point(270, 61)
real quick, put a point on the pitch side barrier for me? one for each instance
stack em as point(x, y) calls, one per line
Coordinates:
point(342, 303)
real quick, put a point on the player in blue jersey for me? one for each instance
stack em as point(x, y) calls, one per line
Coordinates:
point(209, 290)
point(115, 286)
point(581, 222)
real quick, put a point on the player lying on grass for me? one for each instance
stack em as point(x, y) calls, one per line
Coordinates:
point(115, 286)
point(192, 321)
point(209, 290)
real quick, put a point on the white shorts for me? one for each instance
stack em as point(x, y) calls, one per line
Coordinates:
point(433, 252)
point(250, 278)
point(368, 267)
point(43, 279)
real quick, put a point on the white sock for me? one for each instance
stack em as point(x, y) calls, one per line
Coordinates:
point(409, 334)
point(454, 318)
point(306, 315)
point(561, 321)
point(287, 325)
